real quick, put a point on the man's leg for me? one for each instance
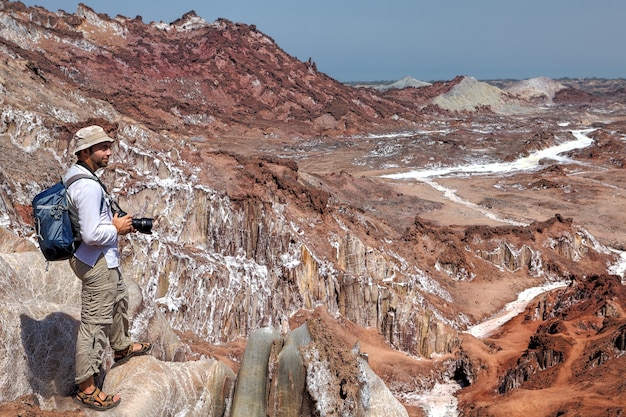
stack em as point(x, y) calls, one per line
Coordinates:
point(98, 297)
point(119, 334)
point(90, 344)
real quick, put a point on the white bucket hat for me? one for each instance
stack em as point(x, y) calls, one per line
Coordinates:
point(89, 136)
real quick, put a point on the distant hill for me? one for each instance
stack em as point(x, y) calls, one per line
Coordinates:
point(470, 94)
point(403, 83)
point(535, 88)
point(395, 85)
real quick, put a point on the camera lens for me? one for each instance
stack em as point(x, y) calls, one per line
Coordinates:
point(143, 225)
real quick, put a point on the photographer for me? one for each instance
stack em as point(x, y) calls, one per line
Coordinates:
point(104, 310)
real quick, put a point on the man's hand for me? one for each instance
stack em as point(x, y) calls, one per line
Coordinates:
point(124, 225)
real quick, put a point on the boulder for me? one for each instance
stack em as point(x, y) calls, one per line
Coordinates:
point(150, 387)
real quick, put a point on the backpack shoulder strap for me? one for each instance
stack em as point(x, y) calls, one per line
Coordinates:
point(73, 179)
point(71, 207)
point(77, 177)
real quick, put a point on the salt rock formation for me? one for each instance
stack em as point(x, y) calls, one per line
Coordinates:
point(288, 376)
point(41, 313)
point(150, 387)
point(539, 88)
point(471, 95)
point(308, 374)
point(402, 83)
point(41, 320)
point(39, 324)
point(250, 391)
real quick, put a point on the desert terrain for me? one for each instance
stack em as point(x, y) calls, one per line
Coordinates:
point(252, 161)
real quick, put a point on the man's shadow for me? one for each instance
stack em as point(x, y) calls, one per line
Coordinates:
point(50, 348)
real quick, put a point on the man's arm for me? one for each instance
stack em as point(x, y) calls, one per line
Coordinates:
point(96, 227)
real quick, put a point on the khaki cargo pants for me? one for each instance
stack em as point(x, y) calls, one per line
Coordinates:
point(103, 316)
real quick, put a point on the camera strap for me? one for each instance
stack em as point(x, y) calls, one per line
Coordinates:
point(107, 196)
point(84, 165)
point(115, 206)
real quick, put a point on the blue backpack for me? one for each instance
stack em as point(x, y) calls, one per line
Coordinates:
point(56, 220)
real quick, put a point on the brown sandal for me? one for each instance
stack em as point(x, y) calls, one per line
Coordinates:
point(94, 401)
point(122, 356)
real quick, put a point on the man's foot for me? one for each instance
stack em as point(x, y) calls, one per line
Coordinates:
point(95, 399)
point(134, 349)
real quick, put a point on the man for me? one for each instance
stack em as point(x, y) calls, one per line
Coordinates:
point(104, 310)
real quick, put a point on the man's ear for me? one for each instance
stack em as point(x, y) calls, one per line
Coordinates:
point(84, 153)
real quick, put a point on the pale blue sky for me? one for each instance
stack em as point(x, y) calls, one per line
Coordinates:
point(362, 40)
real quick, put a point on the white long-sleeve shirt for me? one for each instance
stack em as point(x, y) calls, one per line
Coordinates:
point(95, 217)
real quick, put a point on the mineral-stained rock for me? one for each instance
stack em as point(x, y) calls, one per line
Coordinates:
point(310, 374)
point(340, 381)
point(288, 377)
point(250, 399)
point(38, 324)
point(573, 344)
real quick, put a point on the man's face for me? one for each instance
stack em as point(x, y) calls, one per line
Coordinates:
point(100, 154)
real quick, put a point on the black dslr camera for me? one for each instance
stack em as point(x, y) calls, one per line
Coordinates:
point(142, 225)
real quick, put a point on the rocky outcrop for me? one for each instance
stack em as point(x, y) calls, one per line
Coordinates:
point(556, 243)
point(292, 376)
point(339, 381)
point(544, 351)
point(210, 77)
point(287, 383)
point(308, 373)
point(251, 389)
point(512, 258)
point(41, 310)
point(152, 387)
point(577, 340)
